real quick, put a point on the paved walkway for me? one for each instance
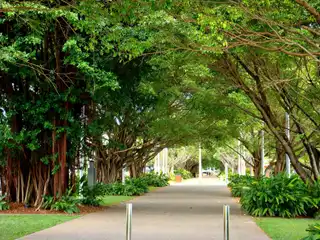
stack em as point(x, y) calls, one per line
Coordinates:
point(188, 211)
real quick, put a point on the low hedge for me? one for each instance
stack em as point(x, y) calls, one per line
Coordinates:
point(137, 186)
point(156, 180)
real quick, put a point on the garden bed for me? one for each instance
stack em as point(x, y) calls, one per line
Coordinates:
point(19, 208)
point(280, 196)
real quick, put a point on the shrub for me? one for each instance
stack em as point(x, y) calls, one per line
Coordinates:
point(239, 183)
point(156, 180)
point(133, 190)
point(132, 187)
point(314, 193)
point(116, 188)
point(235, 179)
point(136, 186)
point(184, 173)
point(68, 203)
point(172, 177)
point(278, 196)
point(81, 182)
point(91, 195)
point(48, 201)
point(3, 203)
point(314, 232)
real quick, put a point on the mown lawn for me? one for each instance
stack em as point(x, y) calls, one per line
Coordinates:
point(111, 200)
point(285, 229)
point(152, 189)
point(16, 226)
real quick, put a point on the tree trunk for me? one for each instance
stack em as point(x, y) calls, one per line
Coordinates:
point(136, 169)
point(280, 159)
point(256, 164)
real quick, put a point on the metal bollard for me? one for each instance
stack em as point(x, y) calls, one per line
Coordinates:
point(226, 221)
point(129, 221)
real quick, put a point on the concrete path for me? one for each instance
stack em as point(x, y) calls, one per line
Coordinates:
point(187, 211)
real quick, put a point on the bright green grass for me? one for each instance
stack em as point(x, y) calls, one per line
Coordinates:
point(16, 226)
point(111, 200)
point(285, 229)
point(152, 188)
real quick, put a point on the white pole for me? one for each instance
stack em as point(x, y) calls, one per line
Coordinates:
point(163, 160)
point(262, 153)
point(200, 162)
point(239, 158)
point(123, 175)
point(167, 155)
point(226, 172)
point(158, 163)
point(155, 164)
point(226, 221)
point(128, 221)
point(288, 136)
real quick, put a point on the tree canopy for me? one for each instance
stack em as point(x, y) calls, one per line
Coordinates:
point(115, 82)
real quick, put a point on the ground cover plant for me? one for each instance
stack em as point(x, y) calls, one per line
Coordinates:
point(277, 196)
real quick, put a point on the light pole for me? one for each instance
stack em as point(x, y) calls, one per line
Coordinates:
point(288, 136)
point(226, 172)
point(167, 153)
point(155, 164)
point(158, 163)
point(200, 162)
point(163, 160)
point(123, 175)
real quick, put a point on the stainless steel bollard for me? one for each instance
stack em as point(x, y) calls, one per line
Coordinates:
point(129, 221)
point(226, 221)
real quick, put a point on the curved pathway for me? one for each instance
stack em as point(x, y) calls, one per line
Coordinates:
point(188, 211)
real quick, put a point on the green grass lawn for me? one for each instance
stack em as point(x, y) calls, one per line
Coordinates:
point(285, 229)
point(111, 200)
point(16, 226)
point(152, 188)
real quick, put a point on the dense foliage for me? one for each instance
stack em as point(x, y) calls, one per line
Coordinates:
point(185, 174)
point(3, 203)
point(314, 232)
point(155, 180)
point(137, 186)
point(280, 196)
point(92, 195)
point(115, 82)
point(239, 184)
point(67, 203)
